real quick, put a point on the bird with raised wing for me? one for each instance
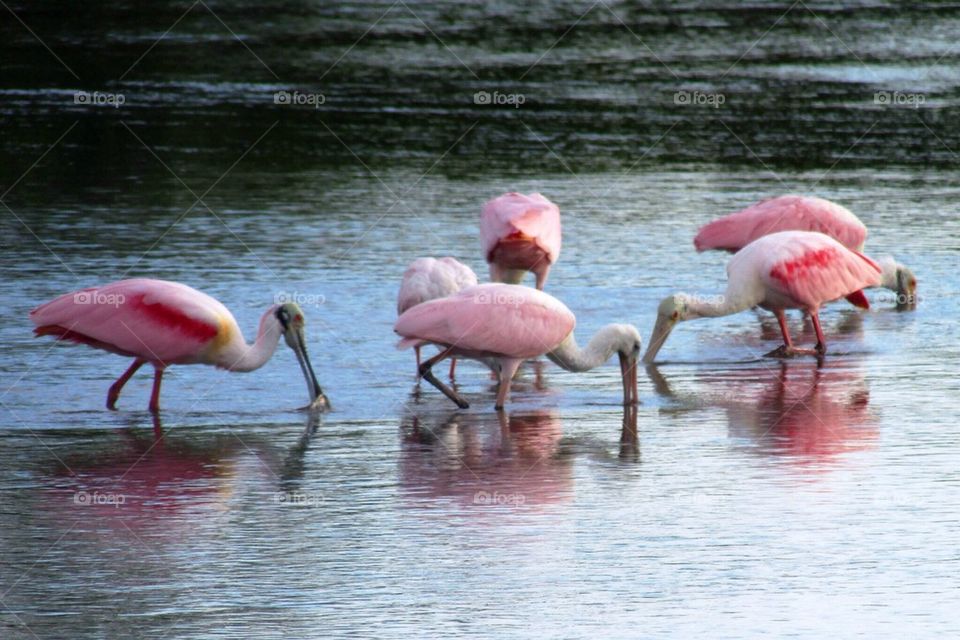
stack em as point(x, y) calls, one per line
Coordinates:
point(502, 325)
point(165, 323)
point(785, 270)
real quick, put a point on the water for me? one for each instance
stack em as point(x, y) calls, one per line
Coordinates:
point(744, 497)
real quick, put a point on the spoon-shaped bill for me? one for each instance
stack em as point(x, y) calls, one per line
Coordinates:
point(296, 341)
point(661, 331)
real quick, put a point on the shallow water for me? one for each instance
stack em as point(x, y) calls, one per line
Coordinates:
point(744, 497)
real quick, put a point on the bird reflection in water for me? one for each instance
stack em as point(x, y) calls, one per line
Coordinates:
point(518, 459)
point(140, 482)
point(798, 409)
point(487, 459)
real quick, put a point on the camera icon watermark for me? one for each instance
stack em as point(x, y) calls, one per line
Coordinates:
point(514, 100)
point(699, 99)
point(299, 99)
point(86, 499)
point(99, 99)
point(95, 297)
point(899, 99)
point(299, 298)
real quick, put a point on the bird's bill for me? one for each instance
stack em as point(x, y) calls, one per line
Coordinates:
point(661, 331)
point(628, 371)
point(297, 342)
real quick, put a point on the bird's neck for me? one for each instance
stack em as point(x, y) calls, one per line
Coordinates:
point(888, 273)
point(240, 356)
point(507, 276)
point(568, 355)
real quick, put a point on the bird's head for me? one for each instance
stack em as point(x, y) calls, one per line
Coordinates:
point(672, 309)
point(899, 279)
point(906, 288)
point(292, 321)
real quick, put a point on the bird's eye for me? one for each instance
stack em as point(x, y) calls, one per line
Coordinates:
point(676, 314)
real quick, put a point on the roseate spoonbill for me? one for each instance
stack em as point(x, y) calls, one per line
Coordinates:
point(502, 325)
point(520, 233)
point(785, 270)
point(805, 213)
point(429, 278)
point(166, 323)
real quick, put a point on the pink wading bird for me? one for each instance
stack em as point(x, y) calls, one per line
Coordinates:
point(166, 323)
point(430, 278)
point(502, 325)
point(520, 233)
point(805, 213)
point(785, 270)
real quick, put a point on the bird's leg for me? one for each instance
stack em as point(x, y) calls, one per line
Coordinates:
point(427, 375)
point(782, 319)
point(157, 431)
point(453, 367)
point(114, 393)
point(537, 366)
point(416, 350)
point(821, 347)
point(787, 350)
point(508, 367)
point(541, 270)
point(155, 394)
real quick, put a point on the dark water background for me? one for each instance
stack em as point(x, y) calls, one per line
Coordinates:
point(758, 498)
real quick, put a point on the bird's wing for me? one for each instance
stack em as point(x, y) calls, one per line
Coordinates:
point(783, 213)
point(509, 320)
point(415, 284)
point(532, 215)
point(462, 275)
point(811, 268)
point(429, 278)
point(152, 319)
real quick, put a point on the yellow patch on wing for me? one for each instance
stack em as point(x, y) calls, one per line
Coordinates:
point(226, 333)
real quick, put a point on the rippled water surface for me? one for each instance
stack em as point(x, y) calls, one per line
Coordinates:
point(743, 498)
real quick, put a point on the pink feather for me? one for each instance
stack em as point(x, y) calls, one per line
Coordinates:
point(783, 213)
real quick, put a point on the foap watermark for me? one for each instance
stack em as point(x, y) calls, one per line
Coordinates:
point(899, 99)
point(96, 297)
point(99, 99)
point(699, 99)
point(300, 298)
point(85, 498)
point(299, 498)
point(505, 299)
point(299, 99)
point(514, 100)
point(497, 498)
point(707, 298)
point(898, 298)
